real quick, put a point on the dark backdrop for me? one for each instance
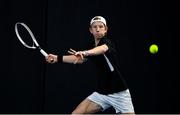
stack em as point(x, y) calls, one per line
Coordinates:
point(29, 85)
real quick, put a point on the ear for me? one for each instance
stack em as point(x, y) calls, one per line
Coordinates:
point(106, 28)
point(90, 29)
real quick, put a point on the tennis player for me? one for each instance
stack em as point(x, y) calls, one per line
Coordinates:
point(112, 90)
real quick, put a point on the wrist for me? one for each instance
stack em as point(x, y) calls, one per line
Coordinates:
point(85, 53)
point(59, 58)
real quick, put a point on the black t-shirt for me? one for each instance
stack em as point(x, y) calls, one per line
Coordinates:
point(108, 81)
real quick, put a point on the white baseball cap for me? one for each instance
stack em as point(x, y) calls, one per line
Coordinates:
point(98, 18)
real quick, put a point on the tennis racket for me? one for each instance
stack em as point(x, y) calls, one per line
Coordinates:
point(26, 37)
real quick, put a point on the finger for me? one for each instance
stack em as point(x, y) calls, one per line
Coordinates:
point(75, 61)
point(49, 59)
point(72, 50)
point(82, 57)
point(49, 56)
point(52, 60)
point(77, 53)
point(80, 54)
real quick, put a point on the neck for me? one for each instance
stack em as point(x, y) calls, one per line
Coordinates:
point(97, 41)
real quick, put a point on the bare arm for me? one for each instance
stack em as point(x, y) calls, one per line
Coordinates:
point(92, 52)
point(77, 57)
point(96, 51)
point(72, 59)
point(65, 59)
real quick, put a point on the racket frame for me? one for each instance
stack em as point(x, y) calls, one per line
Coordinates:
point(32, 36)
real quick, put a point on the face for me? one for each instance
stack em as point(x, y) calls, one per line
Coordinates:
point(98, 29)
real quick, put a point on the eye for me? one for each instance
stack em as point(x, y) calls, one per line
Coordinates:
point(101, 26)
point(94, 26)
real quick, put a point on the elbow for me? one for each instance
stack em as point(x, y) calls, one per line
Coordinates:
point(105, 49)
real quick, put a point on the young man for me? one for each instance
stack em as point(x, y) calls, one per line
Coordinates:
point(112, 90)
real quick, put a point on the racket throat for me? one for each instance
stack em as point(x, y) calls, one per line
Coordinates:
point(39, 48)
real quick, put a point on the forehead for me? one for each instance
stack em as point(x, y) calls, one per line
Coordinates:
point(97, 23)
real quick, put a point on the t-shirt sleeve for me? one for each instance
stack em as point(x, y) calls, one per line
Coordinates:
point(108, 43)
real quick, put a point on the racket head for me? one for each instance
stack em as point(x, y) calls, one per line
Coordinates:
point(25, 35)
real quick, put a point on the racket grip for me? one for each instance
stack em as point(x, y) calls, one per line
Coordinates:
point(43, 53)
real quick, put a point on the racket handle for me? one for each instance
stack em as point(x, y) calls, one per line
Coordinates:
point(43, 53)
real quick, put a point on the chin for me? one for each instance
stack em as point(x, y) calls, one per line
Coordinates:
point(99, 36)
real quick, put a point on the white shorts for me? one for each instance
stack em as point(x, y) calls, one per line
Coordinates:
point(120, 101)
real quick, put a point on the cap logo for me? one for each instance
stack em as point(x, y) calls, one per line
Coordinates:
point(97, 18)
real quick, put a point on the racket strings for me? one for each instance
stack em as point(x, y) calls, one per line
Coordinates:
point(24, 35)
point(27, 37)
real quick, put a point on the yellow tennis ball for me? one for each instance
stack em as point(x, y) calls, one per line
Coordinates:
point(153, 49)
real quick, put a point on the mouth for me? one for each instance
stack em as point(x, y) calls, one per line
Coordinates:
point(99, 35)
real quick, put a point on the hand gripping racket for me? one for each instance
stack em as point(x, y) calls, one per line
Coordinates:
point(26, 37)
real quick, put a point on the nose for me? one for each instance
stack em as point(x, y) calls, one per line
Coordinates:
point(97, 29)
